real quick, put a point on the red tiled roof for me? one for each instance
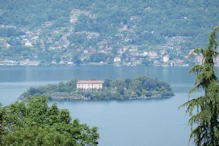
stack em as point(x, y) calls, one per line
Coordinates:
point(90, 82)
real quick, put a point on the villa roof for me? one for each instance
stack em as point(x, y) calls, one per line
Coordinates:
point(90, 82)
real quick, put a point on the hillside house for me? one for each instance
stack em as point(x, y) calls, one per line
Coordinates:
point(89, 84)
point(152, 54)
point(117, 59)
point(166, 58)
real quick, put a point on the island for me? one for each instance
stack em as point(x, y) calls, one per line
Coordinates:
point(141, 87)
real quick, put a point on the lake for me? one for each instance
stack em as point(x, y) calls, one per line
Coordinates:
point(121, 123)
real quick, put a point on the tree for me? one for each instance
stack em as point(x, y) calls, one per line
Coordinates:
point(33, 122)
point(1, 121)
point(61, 87)
point(206, 119)
point(107, 83)
point(120, 90)
point(97, 57)
point(146, 62)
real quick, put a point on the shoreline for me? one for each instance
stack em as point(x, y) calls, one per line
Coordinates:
point(81, 99)
point(86, 65)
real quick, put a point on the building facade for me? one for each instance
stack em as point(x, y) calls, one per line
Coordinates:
point(89, 84)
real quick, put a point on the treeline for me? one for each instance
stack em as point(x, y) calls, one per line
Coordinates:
point(171, 18)
point(33, 122)
point(117, 24)
point(142, 87)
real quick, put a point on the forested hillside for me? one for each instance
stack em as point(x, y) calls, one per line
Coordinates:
point(70, 31)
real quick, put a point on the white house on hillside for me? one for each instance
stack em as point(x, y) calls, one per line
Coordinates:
point(117, 59)
point(166, 58)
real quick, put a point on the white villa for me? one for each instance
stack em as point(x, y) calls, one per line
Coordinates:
point(89, 84)
point(117, 59)
point(166, 58)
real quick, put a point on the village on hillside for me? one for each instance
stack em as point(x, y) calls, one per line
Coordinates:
point(58, 46)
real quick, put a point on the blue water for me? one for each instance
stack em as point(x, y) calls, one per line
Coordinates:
point(121, 123)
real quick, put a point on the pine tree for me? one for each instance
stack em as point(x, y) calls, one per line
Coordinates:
point(1, 122)
point(206, 107)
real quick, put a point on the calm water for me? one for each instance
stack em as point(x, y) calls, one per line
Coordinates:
point(121, 123)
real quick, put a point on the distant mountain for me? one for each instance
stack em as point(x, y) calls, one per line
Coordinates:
point(71, 31)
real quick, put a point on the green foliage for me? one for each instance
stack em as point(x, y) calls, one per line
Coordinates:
point(107, 83)
point(10, 32)
point(1, 124)
point(206, 131)
point(141, 87)
point(50, 89)
point(97, 57)
point(33, 122)
point(146, 62)
point(103, 24)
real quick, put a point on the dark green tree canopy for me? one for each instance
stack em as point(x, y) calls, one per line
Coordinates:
point(206, 119)
point(97, 57)
point(33, 122)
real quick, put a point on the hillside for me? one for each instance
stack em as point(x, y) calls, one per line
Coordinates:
point(93, 32)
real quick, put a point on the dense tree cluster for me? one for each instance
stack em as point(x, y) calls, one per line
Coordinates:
point(98, 57)
point(142, 87)
point(33, 122)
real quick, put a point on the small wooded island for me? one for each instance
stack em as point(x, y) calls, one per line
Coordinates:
point(141, 87)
